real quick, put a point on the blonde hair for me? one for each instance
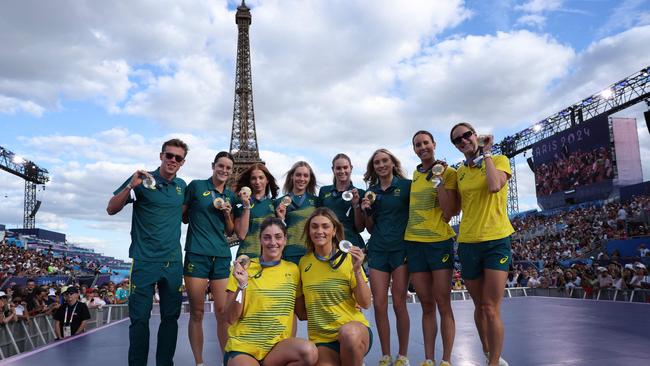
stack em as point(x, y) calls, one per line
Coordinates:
point(371, 176)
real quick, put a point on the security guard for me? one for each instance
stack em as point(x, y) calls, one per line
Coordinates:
point(157, 199)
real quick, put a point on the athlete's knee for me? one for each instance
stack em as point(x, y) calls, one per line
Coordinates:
point(428, 306)
point(196, 314)
point(349, 333)
point(307, 353)
point(490, 310)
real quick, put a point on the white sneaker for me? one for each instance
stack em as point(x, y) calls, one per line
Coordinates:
point(401, 361)
point(386, 360)
point(502, 362)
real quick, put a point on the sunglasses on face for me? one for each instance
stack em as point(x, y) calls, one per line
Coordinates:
point(170, 156)
point(456, 140)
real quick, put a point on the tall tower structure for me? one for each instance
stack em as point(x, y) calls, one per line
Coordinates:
point(243, 140)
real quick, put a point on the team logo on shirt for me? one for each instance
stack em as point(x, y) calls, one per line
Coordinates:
point(190, 267)
point(179, 190)
point(445, 258)
point(328, 194)
point(503, 260)
point(308, 267)
point(397, 191)
point(206, 193)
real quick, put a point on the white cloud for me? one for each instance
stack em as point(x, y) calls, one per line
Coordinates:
point(533, 20)
point(498, 80)
point(538, 6)
point(628, 14)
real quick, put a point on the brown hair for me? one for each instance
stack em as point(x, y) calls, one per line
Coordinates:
point(422, 132)
point(337, 157)
point(271, 221)
point(245, 180)
point(175, 143)
point(464, 124)
point(330, 215)
point(288, 182)
point(223, 154)
point(370, 175)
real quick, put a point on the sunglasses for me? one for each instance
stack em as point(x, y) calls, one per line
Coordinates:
point(170, 156)
point(456, 140)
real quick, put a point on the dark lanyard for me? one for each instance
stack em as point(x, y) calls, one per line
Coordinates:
point(339, 254)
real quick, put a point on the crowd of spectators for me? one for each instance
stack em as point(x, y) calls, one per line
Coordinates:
point(21, 262)
point(568, 171)
point(575, 233)
point(20, 303)
point(590, 278)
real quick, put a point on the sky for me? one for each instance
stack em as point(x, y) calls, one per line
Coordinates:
point(89, 90)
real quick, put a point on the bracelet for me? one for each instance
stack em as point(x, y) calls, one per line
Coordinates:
point(242, 287)
point(356, 206)
point(129, 186)
point(487, 155)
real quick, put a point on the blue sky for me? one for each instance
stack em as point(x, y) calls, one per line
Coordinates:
point(89, 90)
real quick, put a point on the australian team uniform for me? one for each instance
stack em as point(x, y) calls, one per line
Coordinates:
point(259, 210)
point(156, 252)
point(329, 299)
point(267, 316)
point(430, 244)
point(484, 232)
point(390, 213)
point(329, 197)
point(298, 212)
point(207, 254)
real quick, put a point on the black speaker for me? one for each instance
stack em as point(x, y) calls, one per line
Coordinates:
point(531, 164)
point(646, 114)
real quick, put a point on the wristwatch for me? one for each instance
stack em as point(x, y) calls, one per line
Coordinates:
point(487, 155)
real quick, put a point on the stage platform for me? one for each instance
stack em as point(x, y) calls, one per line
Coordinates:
point(539, 331)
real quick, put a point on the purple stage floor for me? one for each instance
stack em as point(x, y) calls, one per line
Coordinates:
point(539, 331)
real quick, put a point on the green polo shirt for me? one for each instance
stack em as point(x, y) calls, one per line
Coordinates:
point(156, 220)
point(297, 214)
point(260, 210)
point(206, 233)
point(329, 197)
point(390, 216)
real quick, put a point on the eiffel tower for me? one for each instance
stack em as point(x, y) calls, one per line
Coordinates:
point(243, 140)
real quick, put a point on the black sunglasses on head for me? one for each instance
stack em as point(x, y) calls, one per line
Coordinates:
point(170, 156)
point(456, 140)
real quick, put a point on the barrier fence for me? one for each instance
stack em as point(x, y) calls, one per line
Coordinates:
point(20, 337)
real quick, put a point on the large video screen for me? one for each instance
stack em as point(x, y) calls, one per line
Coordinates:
point(575, 165)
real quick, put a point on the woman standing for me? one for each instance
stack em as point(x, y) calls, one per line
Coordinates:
point(484, 233)
point(261, 303)
point(333, 283)
point(207, 209)
point(430, 244)
point(344, 199)
point(295, 207)
point(252, 210)
point(386, 220)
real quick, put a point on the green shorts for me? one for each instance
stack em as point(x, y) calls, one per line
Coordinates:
point(386, 261)
point(232, 354)
point(491, 254)
point(293, 259)
point(336, 346)
point(428, 257)
point(205, 266)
